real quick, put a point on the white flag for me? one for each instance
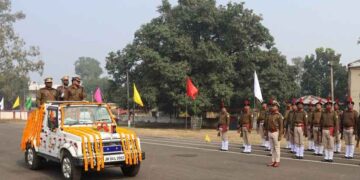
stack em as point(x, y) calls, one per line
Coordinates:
point(2, 104)
point(257, 90)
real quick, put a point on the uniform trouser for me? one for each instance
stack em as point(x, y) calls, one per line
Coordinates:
point(317, 138)
point(299, 136)
point(261, 130)
point(275, 146)
point(245, 134)
point(310, 138)
point(349, 136)
point(327, 140)
point(290, 136)
point(224, 140)
point(224, 136)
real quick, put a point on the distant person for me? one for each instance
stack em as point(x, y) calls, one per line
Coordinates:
point(61, 90)
point(75, 92)
point(245, 126)
point(337, 138)
point(349, 124)
point(299, 127)
point(315, 127)
point(274, 130)
point(328, 125)
point(260, 123)
point(223, 128)
point(46, 93)
point(310, 113)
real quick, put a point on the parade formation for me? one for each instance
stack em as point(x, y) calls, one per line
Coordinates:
point(324, 128)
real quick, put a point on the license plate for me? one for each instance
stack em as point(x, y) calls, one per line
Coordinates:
point(114, 158)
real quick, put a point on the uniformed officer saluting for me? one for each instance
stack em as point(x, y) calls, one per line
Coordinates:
point(75, 92)
point(274, 130)
point(299, 127)
point(223, 127)
point(61, 90)
point(245, 126)
point(349, 123)
point(46, 93)
point(328, 125)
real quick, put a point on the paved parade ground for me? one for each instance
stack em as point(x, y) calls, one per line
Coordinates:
point(174, 158)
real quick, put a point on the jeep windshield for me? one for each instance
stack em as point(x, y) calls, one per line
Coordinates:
point(83, 115)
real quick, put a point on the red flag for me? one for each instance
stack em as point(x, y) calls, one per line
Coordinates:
point(191, 90)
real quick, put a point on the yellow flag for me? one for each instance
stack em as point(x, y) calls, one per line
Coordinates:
point(137, 98)
point(16, 103)
point(207, 138)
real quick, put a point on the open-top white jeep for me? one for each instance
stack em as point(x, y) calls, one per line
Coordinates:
point(82, 136)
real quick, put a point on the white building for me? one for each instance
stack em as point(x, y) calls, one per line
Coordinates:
point(354, 82)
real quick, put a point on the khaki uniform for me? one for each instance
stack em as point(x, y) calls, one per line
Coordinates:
point(316, 133)
point(274, 127)
point(328, 124)
point(61, 92)
point(337, 137)
point(289, 131)
point(74, 93)
point(299, 127)
point(44, 95)
point(309, 131)
point(224, 122)
point(260, 124)
point(245, 124)
point(349, 124)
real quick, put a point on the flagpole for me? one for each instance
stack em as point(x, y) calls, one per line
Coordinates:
point(128, 96)
point(186, 112)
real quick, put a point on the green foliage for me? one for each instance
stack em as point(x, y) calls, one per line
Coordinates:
point(316, 77)
point(16, 61)
point(89, 70)
point(218, 47)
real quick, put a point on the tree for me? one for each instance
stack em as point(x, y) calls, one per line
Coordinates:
point(218, 47)
point(316, 77)
point(16, 61)
point(89, 70)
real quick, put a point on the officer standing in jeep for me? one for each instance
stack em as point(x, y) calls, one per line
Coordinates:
point(61, 90)
point(46, 93)
point(75, 92)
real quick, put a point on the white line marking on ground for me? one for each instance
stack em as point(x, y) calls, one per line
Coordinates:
point(256, 155)
point(210, 145)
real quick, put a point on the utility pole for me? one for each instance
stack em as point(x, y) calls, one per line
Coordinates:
point(332, 80)
point(128, 96)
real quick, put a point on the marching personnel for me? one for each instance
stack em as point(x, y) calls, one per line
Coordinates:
point(260, 123)
point(328, 125)
point(310, 113)
point(315, 127)
point(286, 133)
point(245, 126)
point(299, 127)
point(274, 130)
point(46, 93)
point(349, 124)
point(223, 127)
point(337, 138)
point(61, 90)
point(289, 122)
point(75, 92)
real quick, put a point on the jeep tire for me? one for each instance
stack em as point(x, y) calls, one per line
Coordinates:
point(33, 161)
point(68, 168)
point(130, 171)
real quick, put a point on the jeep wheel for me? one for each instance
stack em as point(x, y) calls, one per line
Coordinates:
point(130, 171)
point(68, 168)
point(32, 160)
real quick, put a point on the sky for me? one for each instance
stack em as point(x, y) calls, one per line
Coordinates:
point(66, 30)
